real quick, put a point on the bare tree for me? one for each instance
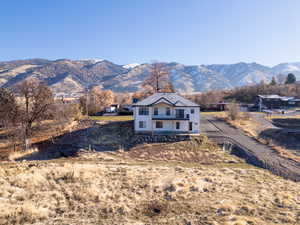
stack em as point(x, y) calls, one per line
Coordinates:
point(233, 111)
point(158, 79)
point(9, 116)
point(281, 78)
point(96, 100)
point(123, 98)
point(8, 107)
point(208, 99)
point(36, 101)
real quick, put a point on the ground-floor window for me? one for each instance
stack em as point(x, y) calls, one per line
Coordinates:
point(159, 124)
point(190, 125)
point(177, 125)
point(142, 124)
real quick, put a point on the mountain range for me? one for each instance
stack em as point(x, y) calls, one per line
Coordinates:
point(66, 76)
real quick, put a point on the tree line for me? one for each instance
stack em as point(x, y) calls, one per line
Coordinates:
point(279, 85)
point(22, 111)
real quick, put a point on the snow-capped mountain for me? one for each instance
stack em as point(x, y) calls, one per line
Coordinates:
point(131, 66)
point(71, 76)
point(286, 68)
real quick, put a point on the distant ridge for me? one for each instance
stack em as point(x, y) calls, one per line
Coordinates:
point(73, 76)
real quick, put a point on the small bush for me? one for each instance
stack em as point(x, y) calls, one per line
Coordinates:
point(233, 111)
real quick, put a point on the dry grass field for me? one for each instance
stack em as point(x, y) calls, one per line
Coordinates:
point(188, 182)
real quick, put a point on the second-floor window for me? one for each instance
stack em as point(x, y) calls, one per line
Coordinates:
point(143, 111)
point(179, 113)
point(168, 111)
point(155, 111)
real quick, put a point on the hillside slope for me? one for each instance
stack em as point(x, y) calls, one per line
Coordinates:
point(73, 76)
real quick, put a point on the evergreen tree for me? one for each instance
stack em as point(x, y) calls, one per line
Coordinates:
point(291, 78)
point(273, 81)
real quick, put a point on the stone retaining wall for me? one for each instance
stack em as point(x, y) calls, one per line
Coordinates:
point(144, 139)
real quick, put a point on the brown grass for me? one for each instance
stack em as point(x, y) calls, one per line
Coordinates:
point(197, 150)
point(127, 192)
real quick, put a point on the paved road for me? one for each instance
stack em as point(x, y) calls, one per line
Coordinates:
point(253, 151)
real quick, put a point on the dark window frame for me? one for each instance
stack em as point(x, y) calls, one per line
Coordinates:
point(177, 125)
point(168, 111)
point(143, 123)
point(159, 122)
point(143, 111)
point(179, 113)
point(190, 126)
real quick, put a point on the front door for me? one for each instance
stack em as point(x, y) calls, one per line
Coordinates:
point(190, 126)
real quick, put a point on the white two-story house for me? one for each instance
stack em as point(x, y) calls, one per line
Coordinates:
point(166, 113)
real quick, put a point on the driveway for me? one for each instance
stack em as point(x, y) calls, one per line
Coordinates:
point(248, 148)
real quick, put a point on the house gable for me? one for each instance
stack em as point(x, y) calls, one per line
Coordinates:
point(168, 98)
point(162, 101)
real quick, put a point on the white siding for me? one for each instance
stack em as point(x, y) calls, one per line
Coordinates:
point(168, 125)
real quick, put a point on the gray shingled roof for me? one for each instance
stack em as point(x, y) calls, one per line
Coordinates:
point(172, 98)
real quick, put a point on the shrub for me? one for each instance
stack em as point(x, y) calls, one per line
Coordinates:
point(233, 111)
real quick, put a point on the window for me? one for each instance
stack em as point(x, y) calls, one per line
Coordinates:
point(190, 126)
point(155, 112)
point(143, 111)
point(142, 124)
point(177, 125)
point(159, 124)
point(192, 111)
point(168, 111)
point(179, 113)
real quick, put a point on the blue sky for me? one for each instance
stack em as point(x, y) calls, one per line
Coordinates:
point(127, 31)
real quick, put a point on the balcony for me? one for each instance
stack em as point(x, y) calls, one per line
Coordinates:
point(170, 117)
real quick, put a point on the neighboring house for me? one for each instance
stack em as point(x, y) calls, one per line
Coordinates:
point(112, 108)
point(166, 113)
point(277, 102)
